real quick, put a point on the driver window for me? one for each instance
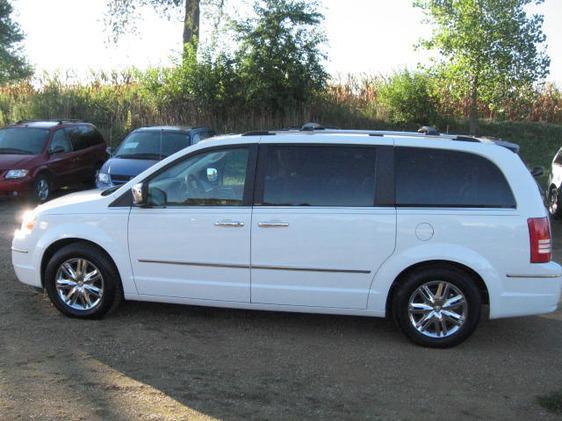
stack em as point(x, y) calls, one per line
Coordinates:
point(209, 179)
point(60, 141)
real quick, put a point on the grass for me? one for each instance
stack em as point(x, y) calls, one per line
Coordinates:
point(552, 402)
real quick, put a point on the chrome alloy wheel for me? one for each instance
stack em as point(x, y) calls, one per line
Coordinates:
point(43, 189)
point(79, 284)
point(437, 309)
point(553, 201)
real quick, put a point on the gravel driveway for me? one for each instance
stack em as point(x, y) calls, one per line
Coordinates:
point(155, 361)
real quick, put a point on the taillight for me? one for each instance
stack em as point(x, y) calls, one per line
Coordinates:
point(541, 240)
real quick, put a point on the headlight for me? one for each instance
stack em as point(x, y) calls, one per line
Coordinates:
point(16, 174)
point(28, 221)
point(104, 178)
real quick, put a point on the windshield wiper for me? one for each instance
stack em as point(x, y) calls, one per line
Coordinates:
point(15, 151)
point(140, 156)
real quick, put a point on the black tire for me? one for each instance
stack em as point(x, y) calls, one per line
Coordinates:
point(112, 290)
point(461, 281)
point(91, 180)
point(39, 194)
point(553, 202)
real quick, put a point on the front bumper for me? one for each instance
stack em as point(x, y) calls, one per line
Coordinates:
point(15, 188)
point(25, 257)
point(23, 266)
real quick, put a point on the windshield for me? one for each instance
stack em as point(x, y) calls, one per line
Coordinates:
point(23, 141)
point(152, 144)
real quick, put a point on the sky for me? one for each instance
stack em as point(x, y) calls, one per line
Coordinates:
point(364, 36)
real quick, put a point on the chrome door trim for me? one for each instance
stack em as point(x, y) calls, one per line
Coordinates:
point(297, 269)
point(510, 275)
point(198, 264)
point(261, 267)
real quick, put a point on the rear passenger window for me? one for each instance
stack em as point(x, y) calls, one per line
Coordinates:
point(440, 178)
point(83, 137)
point(60, 141)
point(319, 176)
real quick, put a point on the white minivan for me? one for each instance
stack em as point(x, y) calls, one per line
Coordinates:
point(424, 229)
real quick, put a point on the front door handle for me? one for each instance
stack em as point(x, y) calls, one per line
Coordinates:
point(228, 223)
point(273, 224)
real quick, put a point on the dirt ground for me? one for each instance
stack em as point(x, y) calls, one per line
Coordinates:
point(155, 361)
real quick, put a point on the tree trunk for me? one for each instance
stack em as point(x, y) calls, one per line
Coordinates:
point(191, 22)
point(473, 114)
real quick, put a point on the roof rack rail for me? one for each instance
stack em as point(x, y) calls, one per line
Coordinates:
point(464, 138)
point(311, 126)
point(432, 131)
point(70, 120)
point(51, 120)
point(259, 133)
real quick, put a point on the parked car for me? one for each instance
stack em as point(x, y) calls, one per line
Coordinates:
point(38, 157)
point(424, 230)
point(554, 185)
point(144, 147)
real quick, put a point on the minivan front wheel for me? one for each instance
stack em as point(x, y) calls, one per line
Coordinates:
point(437, 307)
point(82, 282)
point(42, 189)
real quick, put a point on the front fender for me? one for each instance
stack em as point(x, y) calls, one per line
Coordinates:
point(397, 263)
point(109, 232)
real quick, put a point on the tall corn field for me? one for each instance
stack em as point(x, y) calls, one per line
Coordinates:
point(120, 102)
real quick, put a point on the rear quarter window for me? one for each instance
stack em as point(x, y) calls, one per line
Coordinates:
point(442, 178)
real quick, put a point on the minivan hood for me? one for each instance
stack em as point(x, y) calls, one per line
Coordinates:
point(127, 167)
point(73, 203)
point(14, 162)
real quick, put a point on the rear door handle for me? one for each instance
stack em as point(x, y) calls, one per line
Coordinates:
point(273, 224)
point(227, 223)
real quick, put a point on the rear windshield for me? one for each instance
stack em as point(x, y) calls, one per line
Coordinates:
point(441, 178)
point(23, 141)
point(152, 144)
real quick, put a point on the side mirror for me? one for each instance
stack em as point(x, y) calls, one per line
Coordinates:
point(212, 175)
point(537, 171)
point(109, 150)
point(139, 194)
point(57, 149)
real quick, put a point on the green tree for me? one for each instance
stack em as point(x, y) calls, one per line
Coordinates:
point(13, 65)
point(122, 15)
point(489, 48)
point(407, 97)
point(280, 58)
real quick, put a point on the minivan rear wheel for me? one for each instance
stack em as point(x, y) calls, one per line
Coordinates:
point(437, 307)
point(81, 281)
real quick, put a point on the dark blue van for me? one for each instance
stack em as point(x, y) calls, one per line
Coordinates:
point(144, 147)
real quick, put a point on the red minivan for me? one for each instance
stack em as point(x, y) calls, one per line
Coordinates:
point(38, 157)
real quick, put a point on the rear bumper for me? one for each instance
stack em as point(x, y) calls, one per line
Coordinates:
point(528, 294)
